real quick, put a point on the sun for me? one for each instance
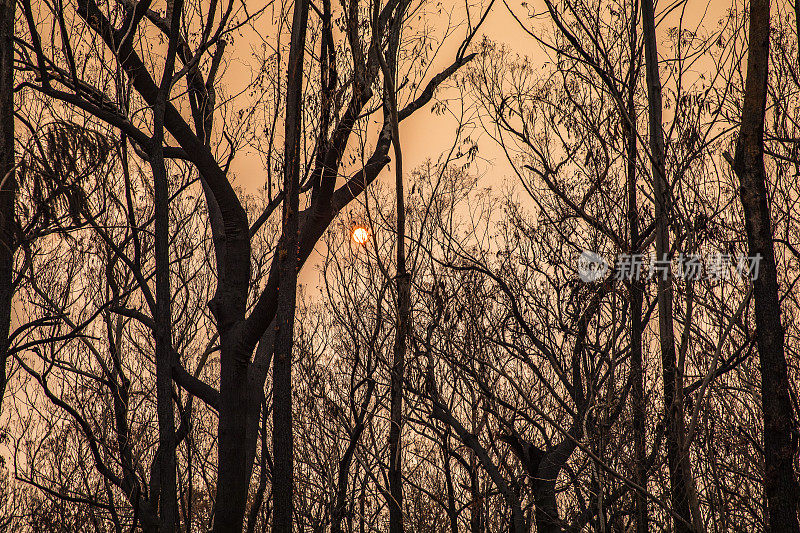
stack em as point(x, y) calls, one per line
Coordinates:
point(360, 235)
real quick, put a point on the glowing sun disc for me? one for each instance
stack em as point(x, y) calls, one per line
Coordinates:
point(360, 235)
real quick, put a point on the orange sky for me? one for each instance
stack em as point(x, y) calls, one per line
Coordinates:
point(426, 135)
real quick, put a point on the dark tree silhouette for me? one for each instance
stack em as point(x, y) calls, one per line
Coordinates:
point(780, 429)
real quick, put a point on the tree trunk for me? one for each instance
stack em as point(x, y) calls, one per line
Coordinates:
point(403, 285)
point(636, 298)
point(476, 502)
point(544, 497)
point(8, 186)
point(232, 478)
point(543, 468)
point(779, 480)
point(282, 443)
point(166, 482)
point(452, 511)
point(163, 352)
point(679, 468)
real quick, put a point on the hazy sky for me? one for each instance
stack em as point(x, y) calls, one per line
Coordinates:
point(423, 135)
point(426, 135)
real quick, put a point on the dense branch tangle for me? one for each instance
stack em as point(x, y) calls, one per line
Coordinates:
point(159, 294)
point(153, 80)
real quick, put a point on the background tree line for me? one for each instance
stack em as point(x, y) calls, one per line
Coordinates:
point(162, 368)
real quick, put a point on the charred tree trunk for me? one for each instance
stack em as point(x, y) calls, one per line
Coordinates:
point(233, 475)
point(403, 287)
point(636, 295)
point(282, 442)
point(779, 480)
point(637, 372)
point(476, 503)
point(543, 468)
point(397, 374)
point(679, 468)
point(8, 184)
point(546, 515)
point(166, 482)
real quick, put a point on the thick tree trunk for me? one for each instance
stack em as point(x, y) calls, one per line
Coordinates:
point(543, 468)
point(163, 353)
point(233, 477)
point(282, 442)
point(8, 184)
point(636, 298)
point(166, 483)
point(679, 468)
point(546, 515)
point(779, 479)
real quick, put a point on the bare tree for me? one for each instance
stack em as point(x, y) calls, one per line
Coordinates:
point(8, 185)
point(282, 444)
point(455, 369)
point(680, 472)
point(780, 431)
point(67, 70)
